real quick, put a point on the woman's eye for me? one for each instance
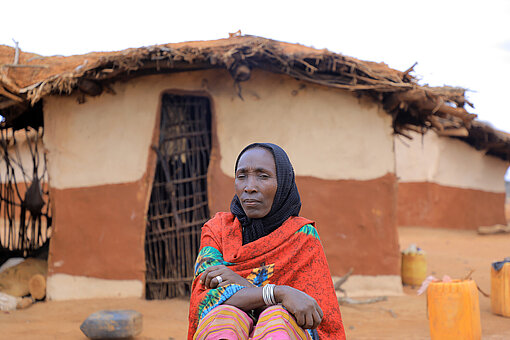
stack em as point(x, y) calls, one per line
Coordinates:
point(263, 176)
point(241, 176)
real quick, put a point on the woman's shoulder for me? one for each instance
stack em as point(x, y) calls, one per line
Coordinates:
point(299, 221)
point(222, 227)
point(220, 219)
point(295, 224)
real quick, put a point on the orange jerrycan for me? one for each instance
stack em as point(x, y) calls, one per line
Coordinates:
point(414, 266)
point(454, 310)
point(414, 269)
point(500, 288)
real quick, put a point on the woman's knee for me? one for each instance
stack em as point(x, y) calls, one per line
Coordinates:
point(227, 309)
point(281, 323)
point(227, 314)
point(275, 309)
point(224, 322)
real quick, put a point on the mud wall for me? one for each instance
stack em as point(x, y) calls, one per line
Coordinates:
point(444, 182)
point(101, 170)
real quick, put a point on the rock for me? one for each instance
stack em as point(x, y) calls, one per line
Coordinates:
point(111, 324)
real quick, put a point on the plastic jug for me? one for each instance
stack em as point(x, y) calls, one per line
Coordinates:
point(454, 310)
point(500, 290)
point(414, 268)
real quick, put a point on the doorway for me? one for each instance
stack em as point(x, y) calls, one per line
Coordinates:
point(178, 205)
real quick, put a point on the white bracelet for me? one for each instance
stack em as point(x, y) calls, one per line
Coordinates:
point(268, 294)
point(272, 294)
point(265, 296)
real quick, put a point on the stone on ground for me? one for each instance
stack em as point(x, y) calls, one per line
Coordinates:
point(111, 324)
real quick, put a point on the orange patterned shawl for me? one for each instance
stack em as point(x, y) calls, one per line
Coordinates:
point(291, 255)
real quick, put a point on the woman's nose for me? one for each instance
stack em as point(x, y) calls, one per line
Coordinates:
point(250, 185)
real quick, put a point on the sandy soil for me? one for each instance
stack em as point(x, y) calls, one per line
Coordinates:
point(404, 317)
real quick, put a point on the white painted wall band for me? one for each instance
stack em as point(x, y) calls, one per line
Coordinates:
point(328, 133)
point(70, 287)
point(448, 162)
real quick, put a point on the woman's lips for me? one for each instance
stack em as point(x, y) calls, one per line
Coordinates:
point(251, 203)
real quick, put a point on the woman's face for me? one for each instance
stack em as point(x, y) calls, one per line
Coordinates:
point(256, 182)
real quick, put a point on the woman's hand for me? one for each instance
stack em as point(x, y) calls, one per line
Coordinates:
point(305, 309)
point(228, 276)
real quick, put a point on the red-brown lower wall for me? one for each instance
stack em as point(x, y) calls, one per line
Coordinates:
point(356, 220)
point(99, 231)
point(433, 205)
point(356, 223)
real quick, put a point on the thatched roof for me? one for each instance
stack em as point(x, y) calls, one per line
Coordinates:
point(412, 106)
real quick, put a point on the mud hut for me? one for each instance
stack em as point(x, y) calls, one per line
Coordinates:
point(445, 182)
point(141, 143)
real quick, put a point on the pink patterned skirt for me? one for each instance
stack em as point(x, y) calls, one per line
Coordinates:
point(231, 323)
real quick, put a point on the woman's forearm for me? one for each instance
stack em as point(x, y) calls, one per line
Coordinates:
point(251, 297)
point(247, 299)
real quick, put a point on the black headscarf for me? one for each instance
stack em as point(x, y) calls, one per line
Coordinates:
point(286, 201)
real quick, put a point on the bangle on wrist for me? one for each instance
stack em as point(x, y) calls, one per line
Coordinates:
point(268, 294)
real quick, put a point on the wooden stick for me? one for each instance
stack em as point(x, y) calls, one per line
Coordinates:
point(311, 67)
point(8, 83)
point(342, 280)
point(10, 95)
point(392, 313)
point(468, 276)
point(16, 52)
point(23, 65)
point(458, 132)
point(435, 123)
point(481, 291)
point(410, 69)
point(495, 229)
point(402, 133)
point(420, 98)
point(456, 112)
point(349, 301)
point(414, 128)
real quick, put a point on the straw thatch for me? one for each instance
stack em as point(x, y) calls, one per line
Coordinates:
point(412, 106)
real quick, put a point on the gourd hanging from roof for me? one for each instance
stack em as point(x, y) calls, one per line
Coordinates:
point(34, 201)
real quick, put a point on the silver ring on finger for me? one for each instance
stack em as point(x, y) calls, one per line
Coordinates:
point(219, 279)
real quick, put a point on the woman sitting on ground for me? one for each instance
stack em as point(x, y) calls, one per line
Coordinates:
point(261, 271)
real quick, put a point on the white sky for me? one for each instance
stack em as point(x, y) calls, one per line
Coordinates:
point(458, 43)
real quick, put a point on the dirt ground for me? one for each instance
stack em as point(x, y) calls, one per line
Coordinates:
point(451, 252)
